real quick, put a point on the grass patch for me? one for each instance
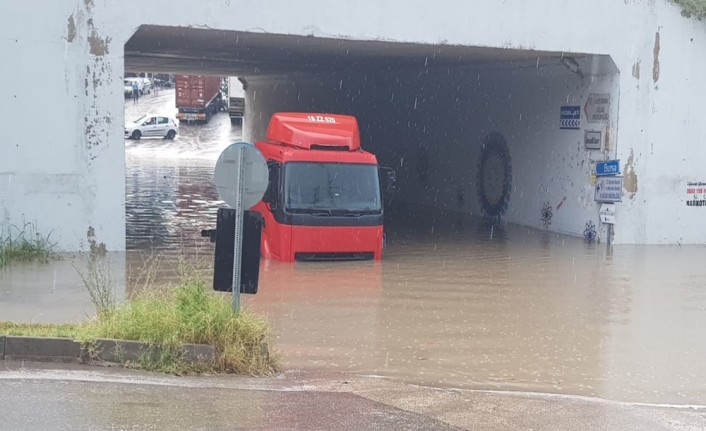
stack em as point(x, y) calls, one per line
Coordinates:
point(25, 244)
point(693, 8)
point(39, 330)
point(99, 280)
point(168, 319)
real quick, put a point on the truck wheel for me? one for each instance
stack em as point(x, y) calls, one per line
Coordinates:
point(136, 135)
point(171, 135)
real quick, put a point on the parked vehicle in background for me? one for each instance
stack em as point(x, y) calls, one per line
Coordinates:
point(197, 97)
point(162, 80)
point(158, 126)
point(127, 88)
point(144, 85)
point(236, 100)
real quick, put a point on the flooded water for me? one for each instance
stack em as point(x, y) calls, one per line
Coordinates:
point(170, 194)
point(454, 304)
point(526, 312)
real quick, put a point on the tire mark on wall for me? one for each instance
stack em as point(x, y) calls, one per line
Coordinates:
point(655, 53)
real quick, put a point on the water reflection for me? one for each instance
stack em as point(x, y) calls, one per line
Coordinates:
point(54, 292)
point(167, 206)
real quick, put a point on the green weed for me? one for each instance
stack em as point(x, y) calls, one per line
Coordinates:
point(170, 318)
point(25, 244)
point(99, 281)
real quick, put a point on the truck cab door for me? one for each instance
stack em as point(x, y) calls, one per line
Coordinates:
point(272, 202)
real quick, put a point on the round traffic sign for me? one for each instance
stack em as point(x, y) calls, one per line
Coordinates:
point(254, 175)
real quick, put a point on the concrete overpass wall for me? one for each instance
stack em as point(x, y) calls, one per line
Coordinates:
point(64, 167)
point(551, 167)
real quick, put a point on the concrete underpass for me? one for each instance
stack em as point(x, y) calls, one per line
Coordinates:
point(427, 111)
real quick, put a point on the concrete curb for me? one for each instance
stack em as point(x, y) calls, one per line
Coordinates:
point(45, 349)
point(41, 349)
point(120, 351)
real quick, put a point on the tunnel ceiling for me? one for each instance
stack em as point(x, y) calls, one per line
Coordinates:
point(196, 50)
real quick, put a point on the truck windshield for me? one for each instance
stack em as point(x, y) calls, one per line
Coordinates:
point(311, 186)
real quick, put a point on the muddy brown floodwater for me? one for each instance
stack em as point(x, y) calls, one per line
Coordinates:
point(454, 304)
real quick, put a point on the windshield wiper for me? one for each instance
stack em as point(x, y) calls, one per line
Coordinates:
point(339, 212)
point(322, 212)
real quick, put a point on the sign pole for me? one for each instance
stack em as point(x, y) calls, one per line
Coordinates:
point(238, 243)
point(610, 235)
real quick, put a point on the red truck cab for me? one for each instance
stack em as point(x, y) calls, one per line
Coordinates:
point(324, 199)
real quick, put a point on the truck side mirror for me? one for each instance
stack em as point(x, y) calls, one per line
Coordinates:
point(266, 198)
point(269, 197)
point(389, 180)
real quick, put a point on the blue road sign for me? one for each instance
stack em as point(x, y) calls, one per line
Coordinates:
point(570, 118)
point(610, 167)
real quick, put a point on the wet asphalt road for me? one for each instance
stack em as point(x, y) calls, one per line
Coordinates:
point(61, 405)
point(453, 305)
point(63, 397)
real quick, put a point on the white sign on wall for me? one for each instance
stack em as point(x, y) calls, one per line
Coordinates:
point(593, 140)
point(597, 108)
point(607, 213)
point(609, 189)
point(696, 194)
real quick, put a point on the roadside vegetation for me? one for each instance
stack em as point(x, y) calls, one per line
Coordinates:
point(25, 244)
point(164, 319)
point(693, 8)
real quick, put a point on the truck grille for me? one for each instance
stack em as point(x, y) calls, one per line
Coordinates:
point(318, 257)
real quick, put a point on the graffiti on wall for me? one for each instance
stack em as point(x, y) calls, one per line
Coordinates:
point(494, 177)
point(547, 215)
point(590, 233)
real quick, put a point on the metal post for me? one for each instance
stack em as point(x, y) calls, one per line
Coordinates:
point(238, 244)
point(610, 235)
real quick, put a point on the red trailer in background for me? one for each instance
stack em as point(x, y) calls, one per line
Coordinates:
point(197, 97)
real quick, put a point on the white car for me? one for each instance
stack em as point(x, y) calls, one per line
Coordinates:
point(127, 87)
point(158, 126)
point(146, 85)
